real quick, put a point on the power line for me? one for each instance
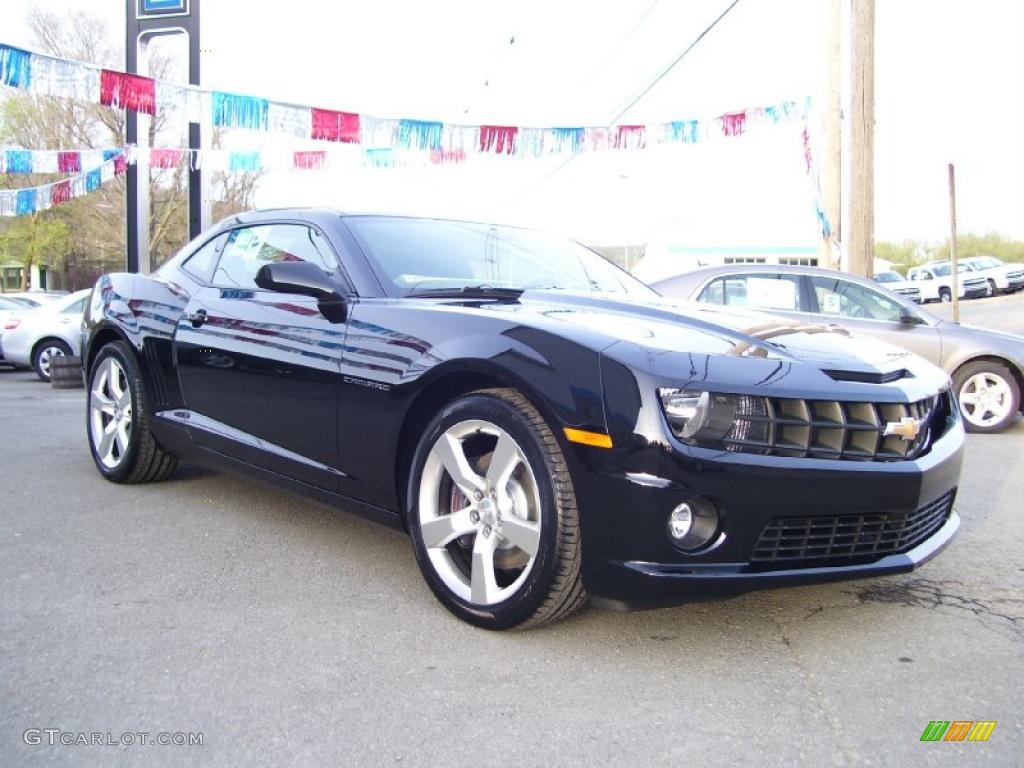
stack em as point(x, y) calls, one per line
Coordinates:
point(622, 42)
point(693, 44)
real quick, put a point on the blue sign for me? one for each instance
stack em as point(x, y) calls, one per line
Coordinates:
point(162, 8)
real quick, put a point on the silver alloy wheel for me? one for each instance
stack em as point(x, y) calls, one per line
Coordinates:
point(985, 399)
point(479, 515)
point(110, 413)
point(46, 355)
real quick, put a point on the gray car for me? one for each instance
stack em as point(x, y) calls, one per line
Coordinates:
point(987, 366)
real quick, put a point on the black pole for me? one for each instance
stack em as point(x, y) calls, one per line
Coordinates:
point(131, 136)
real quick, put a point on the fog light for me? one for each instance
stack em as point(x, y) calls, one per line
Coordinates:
point(693, 524)
point(680, 522)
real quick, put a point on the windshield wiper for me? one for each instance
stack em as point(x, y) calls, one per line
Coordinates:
point(467, 291)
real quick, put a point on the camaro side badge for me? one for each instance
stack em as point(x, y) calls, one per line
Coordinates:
point(906, 428)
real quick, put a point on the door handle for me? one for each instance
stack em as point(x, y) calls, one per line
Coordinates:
point(197, 318)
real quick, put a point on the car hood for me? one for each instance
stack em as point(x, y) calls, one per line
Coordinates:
point(664, 325)
point(734, 351)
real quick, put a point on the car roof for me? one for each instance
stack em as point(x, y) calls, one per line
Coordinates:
point(733, 269)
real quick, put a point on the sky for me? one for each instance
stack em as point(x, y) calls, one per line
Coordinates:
point(949, 88)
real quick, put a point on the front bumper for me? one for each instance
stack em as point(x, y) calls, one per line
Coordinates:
point(630, 562)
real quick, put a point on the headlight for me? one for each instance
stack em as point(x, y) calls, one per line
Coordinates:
point(698, 416)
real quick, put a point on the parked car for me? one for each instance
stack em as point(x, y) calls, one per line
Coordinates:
point(1002, 278)
point(936, 282)
point(543, 425)
point(35, 336)
point(36, 298)
point(896, 283)
point(22, 301)
point(8, 308)
point(987, 366)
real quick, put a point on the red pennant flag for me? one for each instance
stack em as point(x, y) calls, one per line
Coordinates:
point(335, 126)
point(61, 192)
point(733, 124)
point(630, 137)
point(309, 160)
point(120, 164)
point(134, 92)
point(165, 158)
point(69, 162)
point(500, 139)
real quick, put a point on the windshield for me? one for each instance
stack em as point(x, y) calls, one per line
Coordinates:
point(986, 262)
point(888, 277)
point(418, 255)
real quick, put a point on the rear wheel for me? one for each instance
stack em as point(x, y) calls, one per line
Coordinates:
point(44, 353)
point(988, 394)
point(992, 289)
point(493, 515)
point(945, 295)
point(122, 445)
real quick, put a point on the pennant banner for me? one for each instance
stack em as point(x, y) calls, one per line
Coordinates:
point(22, 202)
point(43, 74)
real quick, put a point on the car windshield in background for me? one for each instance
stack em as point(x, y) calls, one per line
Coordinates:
point(430, 255)
point(888, 277)
point(986, 262)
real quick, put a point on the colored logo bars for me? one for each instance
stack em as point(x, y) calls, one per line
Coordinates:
point(958, 730)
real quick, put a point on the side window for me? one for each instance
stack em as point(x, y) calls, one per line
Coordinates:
point(75, 309)
point(845, 299)
point(249, 248)
point(714, 292)
point(200, 263)
point(764, 291)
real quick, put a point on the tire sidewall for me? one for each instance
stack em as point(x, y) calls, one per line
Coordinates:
point(40, 348)
point(531, 595)
point(118, 352)
point(996, 369)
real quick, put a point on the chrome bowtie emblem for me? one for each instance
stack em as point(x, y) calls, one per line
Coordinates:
point(906, 428)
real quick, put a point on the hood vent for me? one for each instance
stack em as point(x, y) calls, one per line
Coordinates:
point(870, 377)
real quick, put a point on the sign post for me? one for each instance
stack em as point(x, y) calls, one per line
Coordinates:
point(146, 19)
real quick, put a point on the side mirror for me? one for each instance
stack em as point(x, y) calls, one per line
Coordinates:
point(305, 279)
point(909, 317)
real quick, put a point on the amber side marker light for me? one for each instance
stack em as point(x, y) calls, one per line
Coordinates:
point(583, 437)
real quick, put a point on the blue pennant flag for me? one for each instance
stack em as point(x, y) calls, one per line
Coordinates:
point(93, 180)
point(232, 110)
point(15, 67)
point(26, 202)
point(19, 161)
point(246, 162)
point(420, 134)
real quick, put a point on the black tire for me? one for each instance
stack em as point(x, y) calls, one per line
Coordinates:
point(553, 586)
point(44, 352)
point(945, 295)
point(144, 460)
point(992, 289)
point(995, 371)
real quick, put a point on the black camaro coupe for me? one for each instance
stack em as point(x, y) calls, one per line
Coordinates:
point(544, 426)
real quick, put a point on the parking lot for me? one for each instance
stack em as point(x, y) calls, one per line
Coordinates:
point(289, 632)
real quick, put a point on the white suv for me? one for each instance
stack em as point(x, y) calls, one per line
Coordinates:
point(1002, 278)
point(936, 282)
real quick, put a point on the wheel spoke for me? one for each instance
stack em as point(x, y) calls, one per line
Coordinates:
point(440, 531)
point(121, 438)
point(102, 403)
point(114, 379)
point(453, 458)
point(107, 440)
point(523, 533)
point(483, 584)
point(504, 461)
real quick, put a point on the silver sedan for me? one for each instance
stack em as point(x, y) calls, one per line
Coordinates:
point(34, 337)
point(987, 366)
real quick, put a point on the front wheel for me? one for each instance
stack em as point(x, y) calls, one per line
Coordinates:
point(945, 295)
point(492, 514)
point(992, 289)
point(988, 394)
point(122, 445)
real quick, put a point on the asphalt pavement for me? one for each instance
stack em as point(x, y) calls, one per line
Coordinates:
point(286, 632)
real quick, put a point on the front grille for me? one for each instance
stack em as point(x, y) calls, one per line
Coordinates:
point(848, 538)
point(831, 429)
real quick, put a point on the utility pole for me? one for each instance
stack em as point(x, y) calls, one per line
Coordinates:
point(831, 132)
point(860, 226)
point(954, 274)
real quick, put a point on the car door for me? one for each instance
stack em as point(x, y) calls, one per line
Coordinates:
point(872, 313)
point(260, 370)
